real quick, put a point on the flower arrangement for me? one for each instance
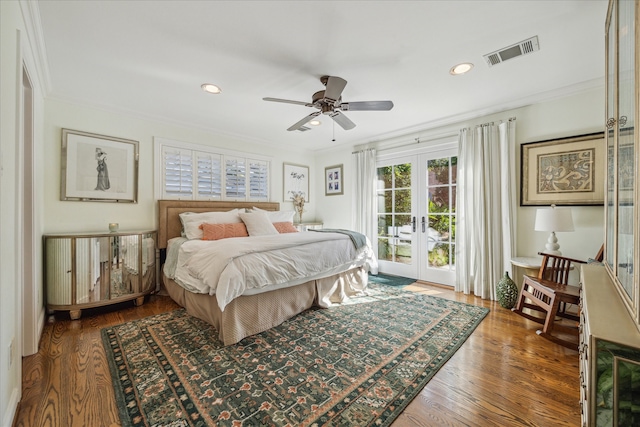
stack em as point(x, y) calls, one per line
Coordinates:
point(298, 203)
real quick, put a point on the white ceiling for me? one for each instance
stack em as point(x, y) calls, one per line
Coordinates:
point(149, 59)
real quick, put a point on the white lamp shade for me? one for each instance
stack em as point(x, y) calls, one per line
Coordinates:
point(554, 219)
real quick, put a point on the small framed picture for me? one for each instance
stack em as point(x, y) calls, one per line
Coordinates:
point(333, 180)
point(98, 168)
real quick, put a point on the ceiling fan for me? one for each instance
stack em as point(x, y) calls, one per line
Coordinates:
point(329, 102)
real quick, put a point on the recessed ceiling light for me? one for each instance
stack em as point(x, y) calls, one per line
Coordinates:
point(461, 68)
point(315, 122)
point(211, 88)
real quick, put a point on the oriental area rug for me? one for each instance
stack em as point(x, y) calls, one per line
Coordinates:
point(356, 364)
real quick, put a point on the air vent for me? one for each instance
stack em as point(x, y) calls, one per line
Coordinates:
point(524, 47)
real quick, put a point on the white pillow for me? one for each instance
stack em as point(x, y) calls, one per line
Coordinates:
point(278, 216)
point(191, 221)
point(258, 224)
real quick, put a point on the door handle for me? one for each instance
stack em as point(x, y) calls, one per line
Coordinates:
point(423, 225)
point(413, 224)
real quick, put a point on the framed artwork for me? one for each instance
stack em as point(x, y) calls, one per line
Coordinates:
point(296, 181)
point(98, 168)
point(333, 180)
point(565, 171)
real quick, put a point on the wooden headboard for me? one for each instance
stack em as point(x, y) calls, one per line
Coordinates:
point(169, 225)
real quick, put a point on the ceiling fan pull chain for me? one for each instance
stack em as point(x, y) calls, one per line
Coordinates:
point(334, 130)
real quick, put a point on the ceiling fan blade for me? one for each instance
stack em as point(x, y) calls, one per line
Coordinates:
point(304, 121)
point(366, 106)
point(342, 120)
point(335, 86)
point(288, 101)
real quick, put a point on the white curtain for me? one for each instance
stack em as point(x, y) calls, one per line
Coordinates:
point(365, 209)
point(485, 207)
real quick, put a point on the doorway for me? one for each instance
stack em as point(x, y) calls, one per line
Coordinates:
point(417, 215)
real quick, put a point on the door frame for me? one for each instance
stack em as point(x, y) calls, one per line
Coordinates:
point(418, 269)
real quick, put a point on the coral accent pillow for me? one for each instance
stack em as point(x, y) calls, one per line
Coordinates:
point(223, 231)
point(285, 227)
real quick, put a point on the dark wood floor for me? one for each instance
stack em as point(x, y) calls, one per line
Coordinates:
point(503, 375)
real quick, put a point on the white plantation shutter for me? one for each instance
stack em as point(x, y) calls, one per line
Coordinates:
point(209, 175)
point(258, 180)
point(196, 172)
point(236, 178)
point(178, 173)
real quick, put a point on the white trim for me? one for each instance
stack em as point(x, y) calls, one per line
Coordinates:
point(12, 407)
point(37, 51)
point(208, 148)
point(428, 147)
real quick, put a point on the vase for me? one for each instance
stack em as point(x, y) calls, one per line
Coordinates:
point(507, 291)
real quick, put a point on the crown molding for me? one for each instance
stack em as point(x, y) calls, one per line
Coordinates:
point(425, 130)
point(37, 46)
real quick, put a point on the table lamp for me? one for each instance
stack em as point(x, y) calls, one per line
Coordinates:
point(553, 219)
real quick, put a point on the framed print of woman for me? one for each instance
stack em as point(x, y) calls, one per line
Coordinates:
point(103, 173)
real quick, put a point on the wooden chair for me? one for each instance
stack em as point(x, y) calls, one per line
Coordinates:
point(550, 294)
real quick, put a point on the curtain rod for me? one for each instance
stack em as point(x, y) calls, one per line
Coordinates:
point(414, 141)
point(510, 119)
point(363, 150)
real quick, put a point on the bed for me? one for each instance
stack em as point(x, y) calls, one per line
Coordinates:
point(259, 306)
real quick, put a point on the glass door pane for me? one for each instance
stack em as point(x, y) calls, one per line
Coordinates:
point(395, 220)
point(441, 212)
point(438, 240)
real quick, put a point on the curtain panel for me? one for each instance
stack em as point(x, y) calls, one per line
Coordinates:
point(365, 209)
point(485, 207)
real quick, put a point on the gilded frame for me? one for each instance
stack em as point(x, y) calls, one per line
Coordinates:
point(563, 171)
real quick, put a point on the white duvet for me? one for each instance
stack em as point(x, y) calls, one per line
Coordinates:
point(250, 265)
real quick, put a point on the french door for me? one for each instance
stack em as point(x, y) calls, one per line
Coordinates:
point(416, 215)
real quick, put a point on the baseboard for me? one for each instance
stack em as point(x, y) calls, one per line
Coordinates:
point(12, 407)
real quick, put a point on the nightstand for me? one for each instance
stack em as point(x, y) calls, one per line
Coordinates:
point(308, 225)
point(530, 265)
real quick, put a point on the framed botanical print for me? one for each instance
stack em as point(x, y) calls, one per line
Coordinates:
point(564, 171)
point(296, 181)
point(98, 168)
point(333, 180)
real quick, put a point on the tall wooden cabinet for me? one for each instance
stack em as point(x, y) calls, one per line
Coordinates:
point(610, 315)
point(96, 269)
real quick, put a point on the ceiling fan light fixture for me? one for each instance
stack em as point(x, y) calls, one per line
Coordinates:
point(462, 68)
point(211, 88)
point(315, 122)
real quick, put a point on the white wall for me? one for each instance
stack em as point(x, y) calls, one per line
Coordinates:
point(572, 115)
point(75, 216)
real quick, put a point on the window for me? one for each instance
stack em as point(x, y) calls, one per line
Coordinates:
point(194, 172)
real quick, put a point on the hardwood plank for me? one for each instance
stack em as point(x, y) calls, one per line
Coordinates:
point(504, 374)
